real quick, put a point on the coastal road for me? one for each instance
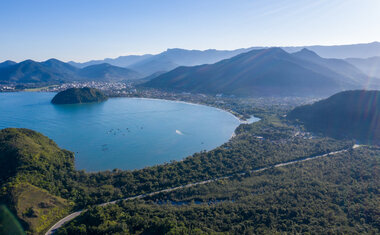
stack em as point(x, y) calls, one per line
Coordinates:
point(77, 213)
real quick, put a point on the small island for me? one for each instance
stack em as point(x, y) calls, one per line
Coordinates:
point(79, 96)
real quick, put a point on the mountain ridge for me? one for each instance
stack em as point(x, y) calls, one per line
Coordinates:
point(370, 66)
point(265, 72)
point(56, 71)
point(348, 114)
point(148, 64)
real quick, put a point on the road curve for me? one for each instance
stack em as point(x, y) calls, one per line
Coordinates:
point(77, 213)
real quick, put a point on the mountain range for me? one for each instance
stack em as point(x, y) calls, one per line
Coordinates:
point(242, 72)
point(266, 72)
point(362, 50)
point(55, 71)
point(121, 61)
point(148, 64)
point(172, 58)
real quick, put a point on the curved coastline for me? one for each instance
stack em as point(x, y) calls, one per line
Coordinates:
point(186, 102)
point(220, 109)
point(208, 144)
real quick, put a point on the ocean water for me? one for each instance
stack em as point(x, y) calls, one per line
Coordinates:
point(123, 133)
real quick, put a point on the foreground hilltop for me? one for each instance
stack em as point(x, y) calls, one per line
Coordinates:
point(78, 96)
point(32, 169)
point(350, 114)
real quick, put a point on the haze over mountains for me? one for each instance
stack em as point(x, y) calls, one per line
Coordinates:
point(121, 61)
point(53, 71)
point(172, 58)
point(264, 72)
point(370, 66)
point(348, 114)
point(167, 60)
point(363, 50)
point(242, 72)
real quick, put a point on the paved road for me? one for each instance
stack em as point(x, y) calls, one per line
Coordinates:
point(77, 213)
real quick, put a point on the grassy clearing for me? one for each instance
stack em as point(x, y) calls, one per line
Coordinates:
point(38, 208)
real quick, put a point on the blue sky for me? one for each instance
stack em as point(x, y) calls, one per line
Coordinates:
point(81, 30)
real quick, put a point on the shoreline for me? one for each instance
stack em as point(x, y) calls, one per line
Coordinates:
point(230, 112)
point(241, 121)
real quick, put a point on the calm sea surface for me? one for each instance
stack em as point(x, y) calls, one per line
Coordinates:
point(120, 133)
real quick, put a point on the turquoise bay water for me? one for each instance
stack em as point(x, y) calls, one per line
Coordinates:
point(121, 133)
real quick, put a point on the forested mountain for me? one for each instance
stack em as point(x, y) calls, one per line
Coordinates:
point(339, 66)
point(370, 66)
point(165, 61)
point(7, 63)
point(107, 72)
point(55, 71)
point(348, 114)
point(32, 170)
point(30, 71)
point(172, 58)
point(265, 72)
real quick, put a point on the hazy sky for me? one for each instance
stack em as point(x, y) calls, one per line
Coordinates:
point(94, 29)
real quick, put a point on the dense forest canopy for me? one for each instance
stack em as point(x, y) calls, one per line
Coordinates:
point(349, 114)
point(78, 96)
point(335, 195)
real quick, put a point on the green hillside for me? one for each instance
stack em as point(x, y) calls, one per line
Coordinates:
point(54, 71)
point(266, 72)
point(349, 114)
point(32, 168)
point(78, 96)
point(337, 195)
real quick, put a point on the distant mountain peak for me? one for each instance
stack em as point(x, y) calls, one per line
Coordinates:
point(53, 60)
point(7, 63)
point(174, 49)
point(53, 71)
point(305, 50)
point(263, 72)
point(102, 65)
point(29, 61)
point(306, 53)
point(275, 49)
